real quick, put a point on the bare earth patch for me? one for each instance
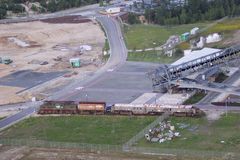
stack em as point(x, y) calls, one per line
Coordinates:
point(8, 95)
point(32, 44)
point(233, 40)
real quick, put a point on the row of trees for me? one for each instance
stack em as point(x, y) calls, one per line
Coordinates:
point(9, 6)
point(192, 11)
point(50, 5)
point(57, 5)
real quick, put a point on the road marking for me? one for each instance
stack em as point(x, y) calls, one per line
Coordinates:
point(110, 70)
point(79, 88)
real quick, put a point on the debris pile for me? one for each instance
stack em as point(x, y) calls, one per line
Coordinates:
point(18, 42)
point(162, 133)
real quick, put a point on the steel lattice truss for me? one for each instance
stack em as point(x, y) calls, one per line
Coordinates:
point(162, 76)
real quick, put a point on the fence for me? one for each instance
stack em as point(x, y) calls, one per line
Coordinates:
point(118, 148)
point(141, 134)
point(61, 145)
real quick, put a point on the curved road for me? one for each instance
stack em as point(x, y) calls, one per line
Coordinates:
point(118, 56)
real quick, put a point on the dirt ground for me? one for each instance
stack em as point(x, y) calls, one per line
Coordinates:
point(233, 40)
point(52, 42)
point(7, 92)
point(25, 153)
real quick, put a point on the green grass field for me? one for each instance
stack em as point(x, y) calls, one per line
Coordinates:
point(152, 56)
point(148, 36)
point(227, 29)
point(112, 130)
point(225, 26)
point(207, 136)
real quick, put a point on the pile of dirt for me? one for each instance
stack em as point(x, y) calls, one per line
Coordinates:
point(67, 19)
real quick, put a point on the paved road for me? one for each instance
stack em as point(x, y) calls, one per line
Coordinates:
point(117, 58)
point(87, 10)
point(32, 107)
point(218, 108)
point(212, 95)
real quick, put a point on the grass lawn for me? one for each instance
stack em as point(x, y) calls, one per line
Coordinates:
point(207, 136)
point(225, 26)
point(148, 36)
point(152, 56)
point(227, 29)
point(195, 98)
point(112, 130)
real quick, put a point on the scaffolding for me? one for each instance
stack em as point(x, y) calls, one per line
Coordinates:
point(163, 76)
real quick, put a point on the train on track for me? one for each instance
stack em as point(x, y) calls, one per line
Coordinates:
point(100, 108)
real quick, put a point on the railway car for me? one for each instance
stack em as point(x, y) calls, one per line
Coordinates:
point(58, 107)
point(128, 109)
point(152, 109)
point(91, 107)
point(98, 108)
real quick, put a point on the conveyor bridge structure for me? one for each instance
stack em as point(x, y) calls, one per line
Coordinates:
point(163, 76)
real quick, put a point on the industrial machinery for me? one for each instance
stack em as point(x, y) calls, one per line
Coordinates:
point(5, 61)
point(167, 77)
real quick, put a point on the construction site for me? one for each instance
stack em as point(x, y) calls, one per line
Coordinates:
point(40, 51)
point(69, 90)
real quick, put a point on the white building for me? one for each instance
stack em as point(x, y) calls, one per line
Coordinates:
point(113, 10)
point(194, 31)
point(191, 55)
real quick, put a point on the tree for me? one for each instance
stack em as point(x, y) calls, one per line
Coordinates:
point(183, 17)
point(3, 13)
point(192, 11)
point(133, 19)
point(227, 8)
point(52, 6)
point(101, 3)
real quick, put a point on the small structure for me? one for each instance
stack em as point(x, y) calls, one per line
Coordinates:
point(142, 19)
point(210, 75)
point(85, 47)
point(194, 31)
point(201, 42)
point(173, 40)
point(185, 36)
point(168, 47)
point(169, 53)
point(113, 10)
point(75, 62)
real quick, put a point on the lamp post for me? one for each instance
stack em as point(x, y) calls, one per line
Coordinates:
point(226, 107)
point(155, 99)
